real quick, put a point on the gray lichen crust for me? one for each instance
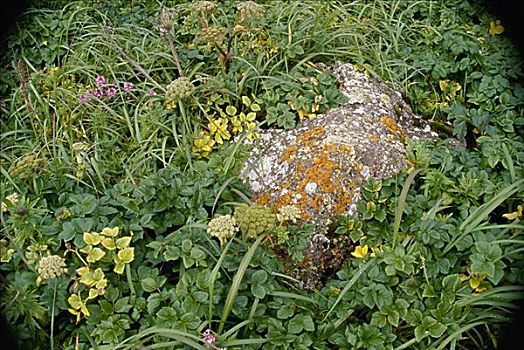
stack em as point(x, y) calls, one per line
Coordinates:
point(320, 165)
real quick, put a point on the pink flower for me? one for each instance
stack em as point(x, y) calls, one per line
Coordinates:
point(128, 86)
point(84, 97)
point(98, 92)
point(111, 91)
point(209, 337)
point(100, 81)
point(150, 94)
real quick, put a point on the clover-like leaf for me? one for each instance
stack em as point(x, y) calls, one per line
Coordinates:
point(82, 270)
point(119, 267)
point(95, 254)
point(109, 243)
point(111, 232)
point(231, 110)
point(75, 301)
point(93, 293)
point(91, 238)
point(246, 101)
point(126, 255)
point(123, 242)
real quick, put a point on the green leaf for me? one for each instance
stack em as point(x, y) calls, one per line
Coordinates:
point(420, 333)
point(95, 254)
point(437, 330)
point(259, 277)
point(258, 291)
point(246, 101)
point(149, 284)
point(68, 232)
point(393, 318)
point(286, 311)
point(108, 243)
point(295, 325)
point(123, 242)
point(122, 305)
point(106, 306)
point(126, 255)
point(119, 267)
point(232, 110)
point(308, 323)
point(91, 238)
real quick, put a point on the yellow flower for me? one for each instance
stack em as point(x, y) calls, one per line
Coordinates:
point(375, 250)
point(360, 251)
point(514, 215)
point(495, 28)
point(203, 145)
point(237, 125)
point(475, 282)
point(218, 128)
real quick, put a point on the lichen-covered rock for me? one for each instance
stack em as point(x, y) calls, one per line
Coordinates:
point(320, 165)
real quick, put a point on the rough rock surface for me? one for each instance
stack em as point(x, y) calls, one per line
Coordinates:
point(321, 164)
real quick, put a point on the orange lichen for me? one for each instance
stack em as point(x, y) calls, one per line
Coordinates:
point(373, 138)
point(307, 138)
point(289, 153)
point(393, 126)
point(321, 170)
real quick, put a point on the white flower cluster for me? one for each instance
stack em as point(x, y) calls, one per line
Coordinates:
point(51, 266)
point(288, 213)
point(13, 198)
point(223, 227)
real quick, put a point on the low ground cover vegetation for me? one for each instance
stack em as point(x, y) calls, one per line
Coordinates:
point(124, 223)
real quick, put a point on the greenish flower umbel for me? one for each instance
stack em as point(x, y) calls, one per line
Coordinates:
point(288, 213)
point(50, 267)
point(211, 35)
point(254, 220)
point(223, 227)
point(178, 89)
point(202, 6)
point(249, 9)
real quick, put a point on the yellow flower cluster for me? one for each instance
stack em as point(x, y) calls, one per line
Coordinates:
point(229, 123)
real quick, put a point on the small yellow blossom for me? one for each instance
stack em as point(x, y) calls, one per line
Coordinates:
point(360, 251)
point(514, 215)
point(223, 227)
point(475, 282)
point(495, 28)
point(203, 145)
point(218, 128)
point(375, 251)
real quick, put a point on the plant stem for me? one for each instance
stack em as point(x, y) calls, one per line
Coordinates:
point(129, 280)
point(175, 55)
point(131, 61)
point(53, 317)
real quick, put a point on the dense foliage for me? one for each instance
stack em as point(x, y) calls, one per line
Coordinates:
point(124, 224)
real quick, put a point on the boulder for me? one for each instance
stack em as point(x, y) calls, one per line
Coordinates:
point(321, 164)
